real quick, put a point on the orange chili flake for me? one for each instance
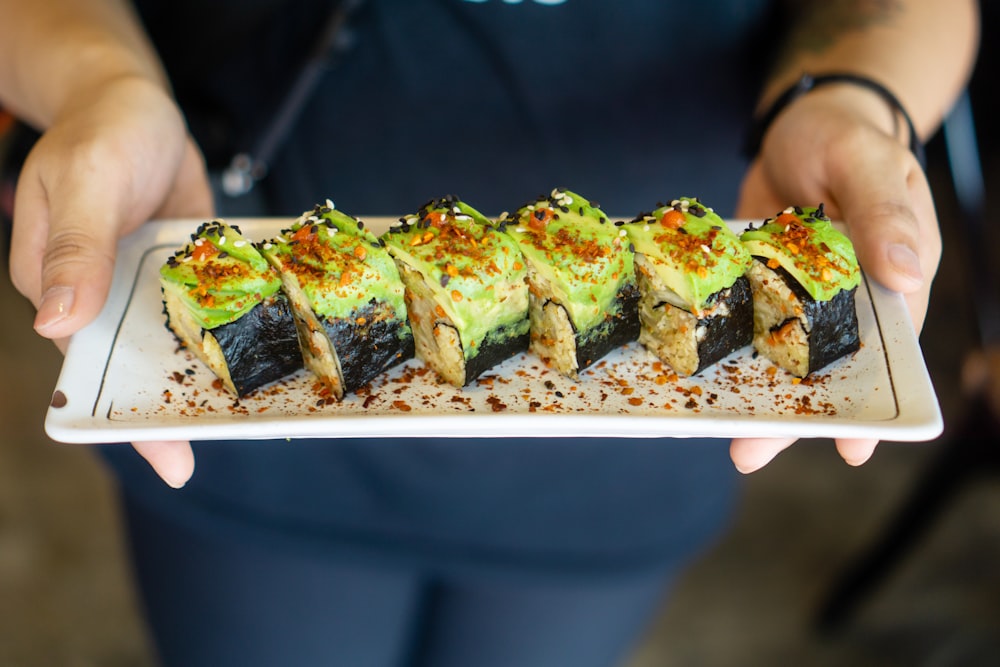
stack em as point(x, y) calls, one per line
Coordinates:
point(773, 263)
point(204, 251)
point(540, 217)
point(345, 278)
point(361, 321)
point(303, 233)
point(517, 265)
point(456, 295)
point(436, 218)
point(439, 311)
point(786, 219)
point(360, 252)
point(792, 248)
point(451, 270)
point(428, 237)
point(673, 219)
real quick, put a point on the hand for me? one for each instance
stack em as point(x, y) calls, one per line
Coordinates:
point(835, 146)
point(107, 164)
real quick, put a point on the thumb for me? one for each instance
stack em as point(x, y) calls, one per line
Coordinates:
point(173, 461)
point(63, 248)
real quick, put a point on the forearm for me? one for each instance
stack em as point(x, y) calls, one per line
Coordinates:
point(53, 52)
point(921, 50)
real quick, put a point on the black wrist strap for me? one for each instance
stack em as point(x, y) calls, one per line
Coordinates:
point(808, 82)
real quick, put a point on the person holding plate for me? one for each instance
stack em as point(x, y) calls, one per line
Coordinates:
point(440, 551)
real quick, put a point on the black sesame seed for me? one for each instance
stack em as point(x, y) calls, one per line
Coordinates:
point(445, 278)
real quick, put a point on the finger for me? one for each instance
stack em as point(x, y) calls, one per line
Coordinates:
point(856, 451)
point(889, 210)
point(63, 246)
point(173, 461)
point(752, 454)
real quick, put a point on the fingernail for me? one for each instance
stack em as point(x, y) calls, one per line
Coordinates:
point(57, 302)
point(905, 261)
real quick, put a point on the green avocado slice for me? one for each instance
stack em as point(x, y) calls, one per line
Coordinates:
point(805, 243)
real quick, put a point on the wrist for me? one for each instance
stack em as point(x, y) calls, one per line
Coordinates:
point(861, 96)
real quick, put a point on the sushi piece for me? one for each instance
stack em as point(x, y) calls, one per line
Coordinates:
point(346, 297)
point(582, 279)
point(804, 277)
point(465, 291)
point(223, 301)
point(696, 306)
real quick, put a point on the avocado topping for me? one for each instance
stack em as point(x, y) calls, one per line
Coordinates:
point(572, 244)
point(692, 250)
point(474, 269)
point(804, 242)
point(219, 275)
point(340, 266)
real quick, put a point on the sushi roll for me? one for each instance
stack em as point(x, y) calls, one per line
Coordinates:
point(581, 275)
point(696, 306)
point(223, 301)
point(465, 291)
point(346, 297)
point(804, 279)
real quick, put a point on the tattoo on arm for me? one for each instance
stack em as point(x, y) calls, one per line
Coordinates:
point(815, 25)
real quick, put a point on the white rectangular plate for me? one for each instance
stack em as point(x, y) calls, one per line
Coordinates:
point(124, 379)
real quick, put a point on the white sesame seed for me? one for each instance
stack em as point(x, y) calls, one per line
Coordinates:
point(268, 246)
point(199, 242)
point(706, 249)
point(520, 230)
point(622, 233)
point(187, 259)
point(645, 228)
point(239, 244)
point(790, 209)
point(329, 205)
point(222, 240)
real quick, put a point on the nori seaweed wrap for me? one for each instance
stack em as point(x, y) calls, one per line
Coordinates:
point(804, 279)
point(582, 279)
point(696, 306)
point(465, 291)
point(224, 303)
point(346, 296)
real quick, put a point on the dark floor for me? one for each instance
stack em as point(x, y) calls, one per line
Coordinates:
point(66, 600)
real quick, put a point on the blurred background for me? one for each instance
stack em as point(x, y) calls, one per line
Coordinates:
point(774, 590)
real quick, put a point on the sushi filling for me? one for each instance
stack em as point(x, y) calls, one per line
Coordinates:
point(246, 354)
point(795, 331)
point(690, 343)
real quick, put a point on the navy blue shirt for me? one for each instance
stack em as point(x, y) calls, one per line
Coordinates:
point(628, 103)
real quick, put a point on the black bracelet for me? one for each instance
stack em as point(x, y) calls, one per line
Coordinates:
point(807, 82)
